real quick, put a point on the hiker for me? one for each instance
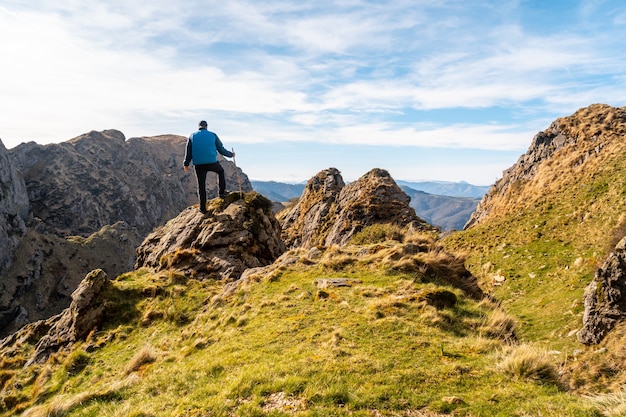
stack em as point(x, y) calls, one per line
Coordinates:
point(202, 148)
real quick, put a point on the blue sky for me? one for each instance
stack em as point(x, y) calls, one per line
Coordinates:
point(448, 90)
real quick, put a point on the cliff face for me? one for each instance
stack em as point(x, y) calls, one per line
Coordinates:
point(13, 209)
point(47, 268)
point(99, 178)
point(329, 212)
point(554, 154)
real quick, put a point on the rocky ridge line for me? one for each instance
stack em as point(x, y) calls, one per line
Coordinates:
point(330, 212)
point(585, 134)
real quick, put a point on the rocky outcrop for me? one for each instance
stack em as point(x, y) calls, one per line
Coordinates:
point(234, 235)
point(330, 212)
point(48, 268)
point(569, 140)
point(13, 209)
point(92, 200)
point(99, 178)
point(306, 223)
point(85, 313)
point(605, 298)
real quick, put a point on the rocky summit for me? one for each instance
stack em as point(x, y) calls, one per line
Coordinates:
point(99, 178)
point(330, 212)
point(593, 133)
point(234, 235)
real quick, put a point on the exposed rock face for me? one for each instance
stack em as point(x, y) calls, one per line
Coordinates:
point(305, 224)
point(605, 298)
point(48, 268)
point(570, 140)
point(85, 313)
point(109, 190)
point(13, 209)
point(99, 178)
point(235, 234)
point(329, 212)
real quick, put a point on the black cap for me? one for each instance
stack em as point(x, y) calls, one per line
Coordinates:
point(202, 123)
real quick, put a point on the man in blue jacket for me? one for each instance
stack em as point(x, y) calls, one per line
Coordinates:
point(202, 149)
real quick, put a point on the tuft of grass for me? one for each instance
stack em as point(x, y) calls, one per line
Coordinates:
point(143, 357)
point(526, 362)
point(610, 404)
point(76, 361)
point(501, 325)
point(377, 233)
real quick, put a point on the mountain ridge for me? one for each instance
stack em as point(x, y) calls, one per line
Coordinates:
point(445, 210)
point(379, 320)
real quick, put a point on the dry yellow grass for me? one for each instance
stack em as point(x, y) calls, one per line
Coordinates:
point(527, 362)
point(143, 357)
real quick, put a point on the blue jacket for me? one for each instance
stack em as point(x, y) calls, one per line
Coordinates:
point(202, 148)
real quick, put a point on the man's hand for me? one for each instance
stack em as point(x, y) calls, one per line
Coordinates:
point(186, 168)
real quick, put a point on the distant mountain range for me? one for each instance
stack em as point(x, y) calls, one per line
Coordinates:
point(448, 205)
point(452, 189)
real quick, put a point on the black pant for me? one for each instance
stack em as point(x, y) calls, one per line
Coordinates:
point(201, 171)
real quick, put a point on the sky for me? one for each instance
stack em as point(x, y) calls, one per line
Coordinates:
point(446, 90)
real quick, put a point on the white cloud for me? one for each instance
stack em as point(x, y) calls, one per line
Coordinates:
point(343, 71)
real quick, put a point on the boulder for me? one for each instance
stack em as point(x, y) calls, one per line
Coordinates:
point(306, 223)
point(330, 212)
point(234, 235)
point(605, 297)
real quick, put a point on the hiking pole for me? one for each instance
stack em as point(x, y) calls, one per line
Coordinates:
point(238, 176)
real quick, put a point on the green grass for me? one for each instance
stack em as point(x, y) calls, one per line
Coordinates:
point(549, 249)
point(281, 346)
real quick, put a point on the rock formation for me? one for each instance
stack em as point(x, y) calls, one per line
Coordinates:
point(85, 313)
point(605, 297)
point(48, 268)
point(87, 203)
point(569, 140)
point(13, 209)
point(235, 234)
point(100, 178)
point(329, 212)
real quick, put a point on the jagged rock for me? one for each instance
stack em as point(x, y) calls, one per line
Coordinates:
point(235, 234)
point(605, 297)
point(78, 186)
point(586, 132)
point(85, 313)
point(13, 209)
point(305, 223)
point(329, 212)
point(109, 191)
point(48, 268)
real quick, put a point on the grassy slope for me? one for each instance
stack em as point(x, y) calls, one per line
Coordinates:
point(281, 346)
point(548, 236)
